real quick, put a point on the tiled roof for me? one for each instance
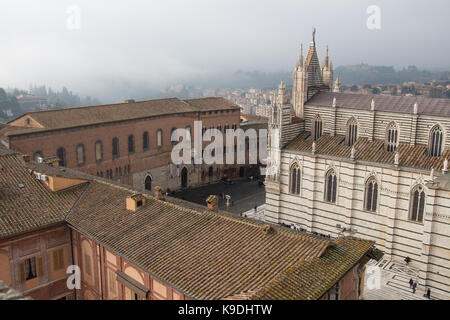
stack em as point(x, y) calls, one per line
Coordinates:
point(374, 151)
point(25, 203)
point(211, 104)
point(81, 116)
point(401, 104)
point(206, 255)
point(309, 280)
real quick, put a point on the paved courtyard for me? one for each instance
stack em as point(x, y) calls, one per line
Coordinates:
point(395, 283)
point(245, 194)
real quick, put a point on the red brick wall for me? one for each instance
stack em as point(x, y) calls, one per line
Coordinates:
point(49, 142)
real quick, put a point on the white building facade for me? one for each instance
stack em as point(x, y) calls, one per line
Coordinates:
point(374, 165)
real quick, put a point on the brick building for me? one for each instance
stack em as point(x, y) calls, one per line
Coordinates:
point(132, 245)
point(128, 142)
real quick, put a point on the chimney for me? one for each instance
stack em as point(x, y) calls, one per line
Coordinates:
point(135, 201)
point(159, 194)
point(213, 203)
point(25, 158)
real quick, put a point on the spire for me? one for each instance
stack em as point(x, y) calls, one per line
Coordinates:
point(326, 62)
point(337, 85)
point(313, 41)
point(300, 61)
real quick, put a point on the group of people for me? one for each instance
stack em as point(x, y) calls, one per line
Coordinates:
point(413, 286)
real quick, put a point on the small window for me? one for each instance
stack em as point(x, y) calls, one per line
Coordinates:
point(98, 151)
point(30, 268)
point(58, 259)
point(330, 186)
point(371, 197)
point(145, 141)
point(436, 138)
point(317, 128)
point(417, 207)
point(159, 138)
point(392, 137)
point(115, 147)
point(130, 144)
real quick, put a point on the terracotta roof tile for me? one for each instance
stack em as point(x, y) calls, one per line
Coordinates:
point(25, 203)
point(409, 156)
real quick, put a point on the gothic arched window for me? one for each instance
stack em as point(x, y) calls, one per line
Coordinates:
point(417, 206)
point(352, 131)
point(317, 128)
point(371, 195)
point(436, 141)
point(392, 137)
point(330, 186)
point(294, 179)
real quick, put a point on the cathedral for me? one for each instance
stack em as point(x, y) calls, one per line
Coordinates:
point(369, 166)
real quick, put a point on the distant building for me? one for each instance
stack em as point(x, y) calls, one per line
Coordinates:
point(31, 103)
point(128, 142)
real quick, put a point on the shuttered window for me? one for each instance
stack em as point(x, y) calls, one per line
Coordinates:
point(58, 259)
point(87, 264)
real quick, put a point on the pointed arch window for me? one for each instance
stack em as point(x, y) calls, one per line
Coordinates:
point(392, 137)
point(371, 195)
point(436, 138)
point(352, 131)
point(417, 206)
point(317, 128)
point(330, 186)
point(294, 179)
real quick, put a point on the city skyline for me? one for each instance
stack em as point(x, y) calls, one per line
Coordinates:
point(78, 45)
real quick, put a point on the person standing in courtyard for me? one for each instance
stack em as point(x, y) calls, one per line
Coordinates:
point(414, 287)
point(411, 281)
point(428, 294)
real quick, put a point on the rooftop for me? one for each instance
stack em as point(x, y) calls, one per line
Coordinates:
point(203, 254)
point(373, 151)
point(83, 116)
point(400, 104)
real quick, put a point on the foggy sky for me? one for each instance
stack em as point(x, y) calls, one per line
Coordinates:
point(157, 42)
